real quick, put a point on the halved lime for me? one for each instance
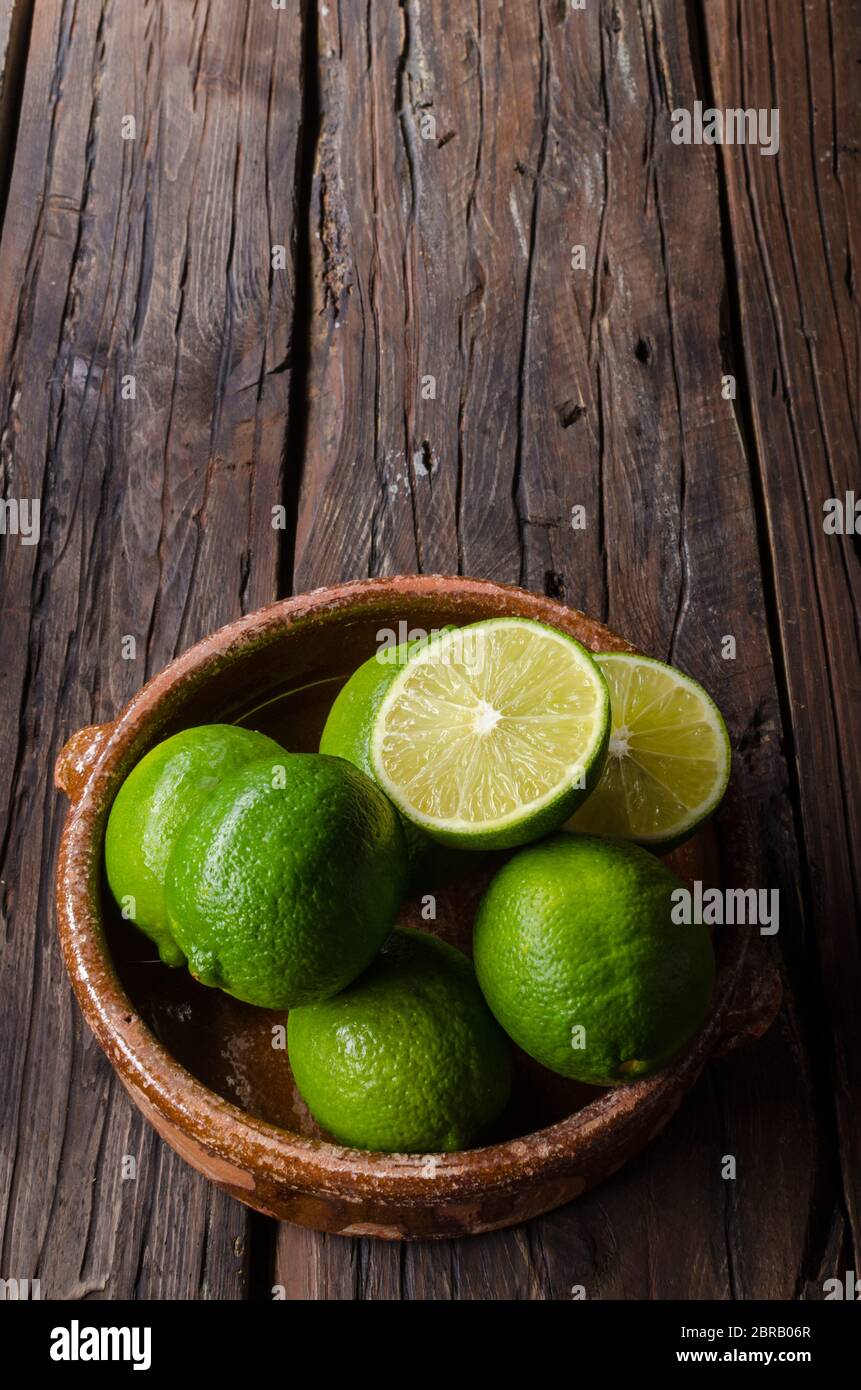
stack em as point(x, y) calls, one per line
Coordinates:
point(669, 757)
point(348, 728)
point(493, 734)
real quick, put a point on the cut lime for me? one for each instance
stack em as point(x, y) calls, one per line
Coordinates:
point(493, 734)
point(348, 728)
point(669, 757)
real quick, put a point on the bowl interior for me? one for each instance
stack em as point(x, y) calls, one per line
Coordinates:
point(283, 686)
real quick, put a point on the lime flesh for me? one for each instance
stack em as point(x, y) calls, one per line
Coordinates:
point(668, 760)
point(493, 734)
point(350, 722)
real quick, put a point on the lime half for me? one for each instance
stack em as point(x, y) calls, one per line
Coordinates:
point(493, 734)
point(669, 757)
point(350, 723)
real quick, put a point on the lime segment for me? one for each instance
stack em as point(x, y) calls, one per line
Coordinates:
point(493, 734)
point(669, 756)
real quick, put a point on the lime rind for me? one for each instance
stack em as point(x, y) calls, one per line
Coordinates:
point(284, 884)
point(434, 1086)
point(581, 963)
point(669, 755)
point(507, 717)
point(158, 796)
point(350, 721)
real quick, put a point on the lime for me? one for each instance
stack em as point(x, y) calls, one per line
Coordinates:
point(347, 732)
point(668, 761)
point(152, 806)
point(409, 1058)
point(285, 883)
point(493, 734)
point(580, 960)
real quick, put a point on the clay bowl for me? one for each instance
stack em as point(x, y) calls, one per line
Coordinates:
point(201, 1066)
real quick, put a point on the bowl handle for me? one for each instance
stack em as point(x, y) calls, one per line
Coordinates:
point(77, 758)
point(756, 1001)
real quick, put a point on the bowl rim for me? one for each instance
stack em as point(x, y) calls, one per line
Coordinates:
point(232, 1135)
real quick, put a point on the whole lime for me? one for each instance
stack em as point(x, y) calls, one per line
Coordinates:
point(285, 883)
point(153, 804)
point(580, 960)
point(409, 1058)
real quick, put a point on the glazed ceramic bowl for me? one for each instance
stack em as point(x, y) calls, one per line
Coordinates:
point(202, 1067)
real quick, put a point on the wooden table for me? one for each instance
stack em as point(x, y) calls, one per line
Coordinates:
point(293, 295)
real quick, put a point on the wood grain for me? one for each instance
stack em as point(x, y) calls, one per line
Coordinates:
point(15, 17)
point(795, 228)
point(147, 258)
point(430, 169)
point(451, 256)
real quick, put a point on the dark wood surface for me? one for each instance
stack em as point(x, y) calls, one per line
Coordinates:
point(415, 251)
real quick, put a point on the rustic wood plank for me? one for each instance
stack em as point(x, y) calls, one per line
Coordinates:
point(145, 258)
point(795, 229)
point(556, 387)
point(15, 16)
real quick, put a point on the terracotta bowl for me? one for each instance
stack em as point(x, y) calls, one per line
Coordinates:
point(201, 1066)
